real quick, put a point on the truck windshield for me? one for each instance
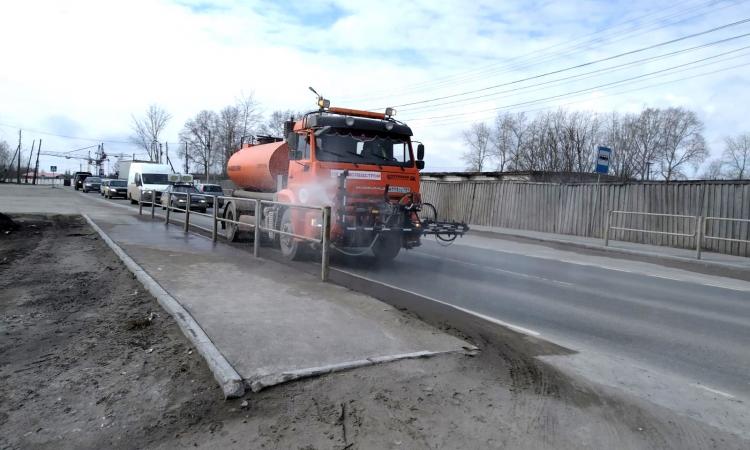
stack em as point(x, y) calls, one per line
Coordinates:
point(364, 148)
point(155, 178)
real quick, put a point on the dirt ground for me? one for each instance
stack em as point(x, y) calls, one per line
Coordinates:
point(89, 360)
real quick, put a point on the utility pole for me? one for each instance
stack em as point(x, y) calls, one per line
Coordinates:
point(28, 164)
point(18, 167)
point(166, 151)
point(186, 159)
point(36, 166)
point(208, 156)
point(101, 161)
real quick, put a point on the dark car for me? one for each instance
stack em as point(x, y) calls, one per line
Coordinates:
point(116, 188)
point(211, 191)
point(78, 178)
point(91, 184)
point(176, 196)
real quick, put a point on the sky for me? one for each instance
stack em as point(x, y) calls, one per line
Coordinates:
point(74, 72)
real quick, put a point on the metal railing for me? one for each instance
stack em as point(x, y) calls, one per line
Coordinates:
point(704, 229)
point(695, 234)
point(700, 228)
point(257, 227)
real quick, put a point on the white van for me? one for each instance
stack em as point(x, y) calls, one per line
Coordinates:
point(151, 178)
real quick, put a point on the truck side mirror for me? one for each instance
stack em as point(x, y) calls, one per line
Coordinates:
point(420, 152)
point(420, 164)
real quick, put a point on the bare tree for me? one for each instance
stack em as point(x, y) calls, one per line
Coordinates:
point(200, 135)
point(274, 125)
point(250, 116)
point(713, 171)
point(507, 140)
point(5, 156)
point(648, 139)
point(619, 134)
point(477, 156)
point(736, 156)
point(148, 129)
point(682, 143)
point(228, 133)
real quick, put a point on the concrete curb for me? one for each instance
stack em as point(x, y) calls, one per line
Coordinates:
point(271, 380)
point(230, 381)
point(622, 251)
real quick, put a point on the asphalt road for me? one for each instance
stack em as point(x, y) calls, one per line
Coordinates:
point(699, 331)
point(679, 339)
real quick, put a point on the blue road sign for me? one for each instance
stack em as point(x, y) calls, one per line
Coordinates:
point(602, 159)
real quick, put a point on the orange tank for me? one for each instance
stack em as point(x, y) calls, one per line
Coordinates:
point(256, 167)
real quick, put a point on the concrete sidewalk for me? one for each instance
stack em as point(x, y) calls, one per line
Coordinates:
point(708, 259)
point(271, 322)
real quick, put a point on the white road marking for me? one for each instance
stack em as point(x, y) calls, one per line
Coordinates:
point(714, 391)
point(601, 263)
point(518, 328)
point(495, 269)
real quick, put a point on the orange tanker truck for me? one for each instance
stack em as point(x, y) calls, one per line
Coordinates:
point(360, 163)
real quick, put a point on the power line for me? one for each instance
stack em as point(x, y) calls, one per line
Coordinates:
point(578, 66)
point(605, 85)
point(47, 133)
point(442, 122)
point(580, 43)
point(577, 77)
point(589, 45)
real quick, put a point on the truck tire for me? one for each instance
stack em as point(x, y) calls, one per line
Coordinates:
point(386, 248)
point(231, 230)
point(292, 249)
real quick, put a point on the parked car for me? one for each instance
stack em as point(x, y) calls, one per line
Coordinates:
point(91, 184)
point(175, 195)
point(211, 191)
point(116, 188)
point(78, 178)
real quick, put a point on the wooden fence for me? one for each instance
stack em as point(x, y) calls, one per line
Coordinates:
point(581, 209)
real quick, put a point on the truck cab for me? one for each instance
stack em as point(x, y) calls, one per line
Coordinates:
point(362, 163)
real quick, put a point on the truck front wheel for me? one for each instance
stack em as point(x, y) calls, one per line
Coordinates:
point(231, 230)
point(387, 246)
point(291, 248)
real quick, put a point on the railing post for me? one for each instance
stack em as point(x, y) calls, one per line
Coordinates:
point(258, 221)
point(187, 213)
point(326, 239)
point(215, 229)
point(606, 228)
point(153, 204)
point(698, 236)
point(169, 209)
point(140, 203)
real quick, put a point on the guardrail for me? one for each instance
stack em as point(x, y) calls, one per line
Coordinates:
point(718, 238)
point(257, 226)
point(700, 228)
point(695, 234)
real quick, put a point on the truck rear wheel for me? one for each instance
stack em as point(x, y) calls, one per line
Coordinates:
point(291, 248)
point(387, 246)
